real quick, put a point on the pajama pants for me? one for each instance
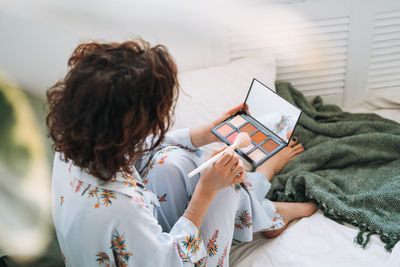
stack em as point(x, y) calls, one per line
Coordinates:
point(236, 212)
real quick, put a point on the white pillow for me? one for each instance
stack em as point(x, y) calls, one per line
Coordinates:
point(207, 93)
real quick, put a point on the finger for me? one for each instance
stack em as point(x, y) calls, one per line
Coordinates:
point(240, 177)
point(228, 113)
point(215, 152)
point(228, 154)
point(238, 169)
point(246, 108)
point(232, 164)
point(235, 109)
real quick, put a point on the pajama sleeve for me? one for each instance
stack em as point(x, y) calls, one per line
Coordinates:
point(179, 137)
point(149, 246)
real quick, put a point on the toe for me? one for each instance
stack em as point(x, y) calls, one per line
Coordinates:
point(293, 141)
point(298, 147)
point(296, 150)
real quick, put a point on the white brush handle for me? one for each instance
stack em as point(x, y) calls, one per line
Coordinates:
point(210, 161)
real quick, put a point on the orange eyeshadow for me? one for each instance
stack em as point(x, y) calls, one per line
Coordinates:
point(270, 145)
point(225, 129)
point(258, 137)
point(248, 128)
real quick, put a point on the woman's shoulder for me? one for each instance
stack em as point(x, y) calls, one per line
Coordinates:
point(124, 189)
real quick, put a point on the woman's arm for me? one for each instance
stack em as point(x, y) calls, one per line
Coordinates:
point(224, 172)
point(183, 245)
point(202, 135)
point(191, 138)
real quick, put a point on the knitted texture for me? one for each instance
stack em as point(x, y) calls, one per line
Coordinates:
point(350, 167)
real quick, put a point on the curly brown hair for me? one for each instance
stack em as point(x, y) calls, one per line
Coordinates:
point(113, 97)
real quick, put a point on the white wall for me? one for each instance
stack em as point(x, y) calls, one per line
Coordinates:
point(37, 37)
point(339, 49)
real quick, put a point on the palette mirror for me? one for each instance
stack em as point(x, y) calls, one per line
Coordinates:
point(271, 110)
point(270, 122)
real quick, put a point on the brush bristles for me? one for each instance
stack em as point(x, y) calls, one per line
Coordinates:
point(242, 140)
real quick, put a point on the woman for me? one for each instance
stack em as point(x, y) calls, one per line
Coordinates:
point(112, 113)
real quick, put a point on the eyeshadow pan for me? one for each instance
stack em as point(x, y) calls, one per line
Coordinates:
point(248, 128)
point(232, 137)
point(270, 145)
point(237, 121)
point(258, 137)
point(257, 155)
point(247, 149)
point(225, 129)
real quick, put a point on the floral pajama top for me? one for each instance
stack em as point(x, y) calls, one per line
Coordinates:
point(114, 223)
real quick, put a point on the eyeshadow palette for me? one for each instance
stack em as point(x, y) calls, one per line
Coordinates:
point(270, 122)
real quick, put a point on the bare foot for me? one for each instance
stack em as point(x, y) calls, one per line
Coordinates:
point(290, 211)
point(274, 165)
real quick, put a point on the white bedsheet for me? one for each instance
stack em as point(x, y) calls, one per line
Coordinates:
point(313, 241)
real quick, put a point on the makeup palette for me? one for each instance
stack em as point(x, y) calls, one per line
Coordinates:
point(270, 122)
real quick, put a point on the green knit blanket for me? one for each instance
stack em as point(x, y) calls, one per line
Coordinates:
point(350, 167)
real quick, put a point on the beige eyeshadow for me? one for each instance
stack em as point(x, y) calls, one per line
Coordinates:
point(259, 137)
point(257, 155)
point(270, 145)
point(237, 121)
point(225, 129)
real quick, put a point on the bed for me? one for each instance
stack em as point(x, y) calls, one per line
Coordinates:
point(345, 51)
point(339, 78)
point(312, 241)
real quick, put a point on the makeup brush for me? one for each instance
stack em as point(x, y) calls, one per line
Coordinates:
point(242, 140)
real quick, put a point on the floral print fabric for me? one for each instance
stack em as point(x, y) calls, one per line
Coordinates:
point(138, 222)
point(114, 223)
point(235, 213)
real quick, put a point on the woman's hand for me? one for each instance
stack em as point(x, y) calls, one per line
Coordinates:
point(229, 113)
point(224, 172)
point(202, 135)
